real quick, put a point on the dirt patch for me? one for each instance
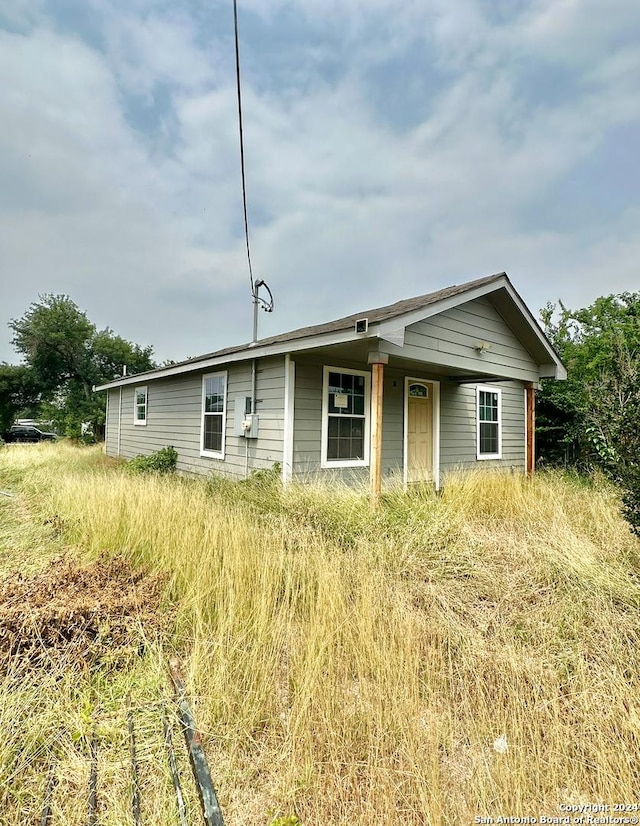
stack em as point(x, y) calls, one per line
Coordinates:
point(100, 612)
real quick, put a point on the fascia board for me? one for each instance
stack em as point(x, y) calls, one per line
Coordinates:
point(247, 353)
point(553, 371)
point(462, 298)
point(561, 371)
point(390, 332)
point(442, 306)
point(394, 329)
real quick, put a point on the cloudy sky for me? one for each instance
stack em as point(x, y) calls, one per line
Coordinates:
point(391, 149)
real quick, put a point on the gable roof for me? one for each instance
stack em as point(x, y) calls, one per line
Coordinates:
point(385, 323)
point(391, 311)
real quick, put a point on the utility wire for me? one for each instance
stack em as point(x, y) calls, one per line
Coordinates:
point(244, 185)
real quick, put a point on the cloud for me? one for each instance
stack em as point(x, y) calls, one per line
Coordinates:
point(121, 165)
point(20, 13)
point(157, 49)
point(580, 33)
point(88, 213)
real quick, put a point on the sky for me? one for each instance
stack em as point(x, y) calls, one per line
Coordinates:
point(392, 149)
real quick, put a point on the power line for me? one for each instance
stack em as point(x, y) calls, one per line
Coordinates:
point(244, 184)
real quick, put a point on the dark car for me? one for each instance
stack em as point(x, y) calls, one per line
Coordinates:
point(26, 433)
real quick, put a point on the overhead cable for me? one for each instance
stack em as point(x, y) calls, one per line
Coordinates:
point(244, 185)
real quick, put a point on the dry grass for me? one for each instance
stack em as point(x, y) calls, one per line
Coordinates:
point(356, 668)
point(48, 719)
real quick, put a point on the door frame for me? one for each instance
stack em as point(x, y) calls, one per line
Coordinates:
point(435, 427)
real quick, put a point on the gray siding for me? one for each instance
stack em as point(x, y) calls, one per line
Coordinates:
point(307, 418)
point(174, 414)
point(308, 424)
point(267, 449)
point(449, 339)
point(458, 427)
point(111, 425)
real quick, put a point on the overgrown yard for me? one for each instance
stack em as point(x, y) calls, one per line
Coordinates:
point(470, 654)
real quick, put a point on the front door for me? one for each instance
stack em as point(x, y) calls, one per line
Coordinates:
point(419, 431)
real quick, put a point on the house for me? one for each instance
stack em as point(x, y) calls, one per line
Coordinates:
point(445, 380)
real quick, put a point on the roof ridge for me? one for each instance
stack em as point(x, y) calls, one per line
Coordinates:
point(375, 315)
point(383, 313)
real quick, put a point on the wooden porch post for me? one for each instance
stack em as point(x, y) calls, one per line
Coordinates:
point(531, 429)
point(377, 361)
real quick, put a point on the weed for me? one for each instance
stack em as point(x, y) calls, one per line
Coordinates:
point(358, 667)
point(286, 820)
point(164, 460)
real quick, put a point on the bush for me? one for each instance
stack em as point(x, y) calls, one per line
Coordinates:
point(162, 461)
point(262, 489)
point(631, 499)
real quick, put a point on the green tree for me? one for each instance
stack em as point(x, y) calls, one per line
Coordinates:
point(613, 427)
point(18, 393)
point(54, 337)
point(591, 342)
point(66, 356)
point(594, 417)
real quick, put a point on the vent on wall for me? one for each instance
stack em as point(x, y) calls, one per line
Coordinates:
point(362, 325)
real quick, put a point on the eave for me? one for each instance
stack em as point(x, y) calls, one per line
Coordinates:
point(387, 334)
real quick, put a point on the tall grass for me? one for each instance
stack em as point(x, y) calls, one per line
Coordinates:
point(357, 667)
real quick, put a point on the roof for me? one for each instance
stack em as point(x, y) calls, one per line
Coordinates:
point(400, 308)
point(343, 329)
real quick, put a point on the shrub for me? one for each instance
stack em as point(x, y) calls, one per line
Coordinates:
point(262, 489)
point(162, 461)
point(631, 499)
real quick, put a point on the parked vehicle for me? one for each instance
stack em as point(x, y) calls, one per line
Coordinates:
point(26, 433)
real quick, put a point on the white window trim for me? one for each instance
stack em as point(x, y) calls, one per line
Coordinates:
point(136, 420)
point(487, 389)
point(214, 454)
point(329, 463)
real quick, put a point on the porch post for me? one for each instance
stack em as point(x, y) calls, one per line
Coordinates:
point(531, 428)
point(377, 361)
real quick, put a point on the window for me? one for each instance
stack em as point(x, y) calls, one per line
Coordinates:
point(214, 393)
point(140, 406)
point(489, 404)
point(419, 391)
point(345, 418)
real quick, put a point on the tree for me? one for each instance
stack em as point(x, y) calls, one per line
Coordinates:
point(18, 393)
point(66, 356)
point(613, 427)
point(595, 414)
point(54, 337)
